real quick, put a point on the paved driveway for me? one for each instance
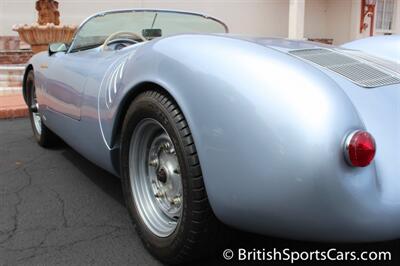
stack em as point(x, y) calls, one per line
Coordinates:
point(56, 208)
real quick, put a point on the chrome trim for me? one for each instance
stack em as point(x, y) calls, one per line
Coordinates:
point(347, 144)
point(103, 13)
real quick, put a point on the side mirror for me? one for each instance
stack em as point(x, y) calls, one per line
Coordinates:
point(57, 47)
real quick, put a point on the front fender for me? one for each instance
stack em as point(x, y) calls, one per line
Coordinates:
point(35, 63)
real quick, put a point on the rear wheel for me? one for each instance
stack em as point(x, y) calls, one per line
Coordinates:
point(163, 183)
point(44, 136)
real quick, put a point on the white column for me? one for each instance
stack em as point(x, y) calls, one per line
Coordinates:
point(296, 19)
point(396, 28)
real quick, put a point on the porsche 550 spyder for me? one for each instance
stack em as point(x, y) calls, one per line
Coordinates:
point(279, 137)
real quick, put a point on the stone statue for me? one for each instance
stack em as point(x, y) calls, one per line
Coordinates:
point(48, 12)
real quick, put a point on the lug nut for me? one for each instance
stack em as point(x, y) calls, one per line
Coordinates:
point(176, 200)
point(165, 146)
point(153, 163)
point(159, 194)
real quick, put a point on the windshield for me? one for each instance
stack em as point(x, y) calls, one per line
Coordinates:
point(148, 23)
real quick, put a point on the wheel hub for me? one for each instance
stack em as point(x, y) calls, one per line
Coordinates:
point(156, 177)
point(162, 175)
point(166, 185)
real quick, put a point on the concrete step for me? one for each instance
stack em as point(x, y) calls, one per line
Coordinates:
point(12, 69)
point(10, 90)
point(15, 56)
point(10, 83)
point(11, 77)
point(11, 73)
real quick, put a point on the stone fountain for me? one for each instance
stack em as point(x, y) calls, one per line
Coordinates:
point(47, 29)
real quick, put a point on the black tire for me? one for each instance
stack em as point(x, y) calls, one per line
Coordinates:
point(198, 233)
point(45, 138)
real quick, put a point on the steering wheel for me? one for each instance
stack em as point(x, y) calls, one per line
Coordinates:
point(121, 33)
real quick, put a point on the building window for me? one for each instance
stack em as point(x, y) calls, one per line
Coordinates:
point(384, 15)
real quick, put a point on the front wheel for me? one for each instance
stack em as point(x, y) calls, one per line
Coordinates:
point(163, 183)
point(44, 136)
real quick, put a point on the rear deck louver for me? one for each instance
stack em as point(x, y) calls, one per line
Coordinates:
point(361, 73)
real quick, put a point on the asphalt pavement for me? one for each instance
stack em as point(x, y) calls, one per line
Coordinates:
point(57, 208)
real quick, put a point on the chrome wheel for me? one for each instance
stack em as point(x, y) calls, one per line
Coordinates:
point(155, 177)
point(37, 120)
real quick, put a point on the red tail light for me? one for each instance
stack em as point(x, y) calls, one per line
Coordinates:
point(359, 148)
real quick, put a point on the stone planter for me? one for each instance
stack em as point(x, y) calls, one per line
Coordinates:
point(40, 36)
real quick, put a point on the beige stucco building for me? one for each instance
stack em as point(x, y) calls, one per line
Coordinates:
point(330, 19)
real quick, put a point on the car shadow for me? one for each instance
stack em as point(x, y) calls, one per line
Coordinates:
point(106, 181)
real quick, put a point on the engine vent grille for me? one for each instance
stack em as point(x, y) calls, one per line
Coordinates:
point(359, 72)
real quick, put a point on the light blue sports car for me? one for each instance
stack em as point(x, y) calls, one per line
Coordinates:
point(279, 137)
